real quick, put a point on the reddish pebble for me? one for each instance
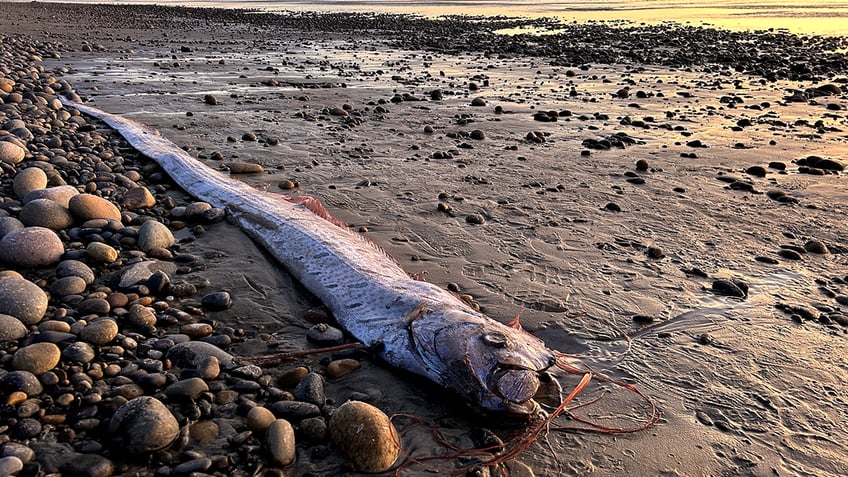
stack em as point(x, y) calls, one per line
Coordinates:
point(342, 367)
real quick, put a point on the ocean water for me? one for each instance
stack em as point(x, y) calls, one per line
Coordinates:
point(821, 17)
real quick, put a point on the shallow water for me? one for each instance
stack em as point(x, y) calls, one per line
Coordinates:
point(742, 388)
point(821, 17)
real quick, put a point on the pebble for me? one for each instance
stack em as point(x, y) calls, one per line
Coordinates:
point(22, 299)
point(28, 180)
point(475, 219)
point(10, 465)
point(11, 328)
point(37, 358)
point(9, 224)
point(94, 306)
point(187, 389)
point(217, 301)
point(100, 252)
point(140, 316)
point(196, 330)
point(294, 410)
point(78, 352)
point(259, 419)
point(11, 153)
point(279, 440)
point(46, 213)
point(365, 436)
point(244, 167)
point(142, 272)
point(325, 335)
point(100, 332)
point(342, 367)
point(190, 354)
point(313, 429)
point(208, 368)
point(75, 268)
point(86, 207)
point(154, 234)
point(816, 246)
point(292, 377)
point(143, 425)
point(735, 288)
point(31, 247)
point(67, 286)
point(311, 390)
point(138, 198)
point(22, 381)
point(60, 194)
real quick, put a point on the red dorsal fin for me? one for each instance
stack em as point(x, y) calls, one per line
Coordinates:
point(516, 323)
point(316, 207)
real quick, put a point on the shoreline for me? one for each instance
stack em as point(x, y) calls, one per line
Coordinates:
point(663, 220)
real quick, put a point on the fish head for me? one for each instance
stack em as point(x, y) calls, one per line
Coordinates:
point(495, 367)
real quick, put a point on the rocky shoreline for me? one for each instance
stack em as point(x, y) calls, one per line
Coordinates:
point(117, 351)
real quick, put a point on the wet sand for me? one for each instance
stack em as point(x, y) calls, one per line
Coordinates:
point(591, 249)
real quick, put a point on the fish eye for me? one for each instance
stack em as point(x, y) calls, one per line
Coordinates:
point(496, 339)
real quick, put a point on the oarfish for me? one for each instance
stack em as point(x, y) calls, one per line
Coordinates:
point(409, 323)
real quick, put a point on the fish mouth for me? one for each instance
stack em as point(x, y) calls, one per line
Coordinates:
point(515, 387)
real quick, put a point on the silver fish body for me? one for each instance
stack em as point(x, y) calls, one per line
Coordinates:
point(410, 324)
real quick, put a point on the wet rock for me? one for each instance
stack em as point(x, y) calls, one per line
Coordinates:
point(259, 419)
point(311, 390)
point(141, 272)
point(11, 153)
point(11, 328)
point(100, 252)
point(186, 389)
point(190, 354)
point(79, 352)
point(87, 207)
point(28, 180)
point(31, 247)
point(74, 464)
point(37, 358)
point(294, 410)
point(100, 332)
point(153, 234)
point(143, 425)
point(292, 377)
point(208, 368)
point(735, 288)
point(365, 436)
point(342, 367)
point(279, 440)
point(325, 335)
point(22, 299)
point(217, 301)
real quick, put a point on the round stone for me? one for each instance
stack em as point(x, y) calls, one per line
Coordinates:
point(22, 299)
point(186, 389)
point(153, 234)
point(11, 153)
point(365, 435)
point(10, 465)
point(342, 367)
point(100, 252)
point(141, 315)
point(196, 330)
point(208, 368)
point(190, 354)
point(59, 194)
point(29, 179)
point(325, 335)
point(11, 328)
point(217, 300)
point(87, 207)
point(78, 352)
point(138, 198)
point(67, 286)
point(100, 332)
point(143, 425)
point(279, 440)
point(20, 381)
point(31, 247)
point(46, 213)
point(75, 268)
point(259, 419)
point(37, 358)
point(9, 224)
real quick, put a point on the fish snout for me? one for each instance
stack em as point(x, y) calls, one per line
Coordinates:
point(516, 385)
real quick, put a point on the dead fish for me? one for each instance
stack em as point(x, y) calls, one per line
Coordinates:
point(410, 324)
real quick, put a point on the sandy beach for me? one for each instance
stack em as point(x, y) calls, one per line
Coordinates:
point(667, 203)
